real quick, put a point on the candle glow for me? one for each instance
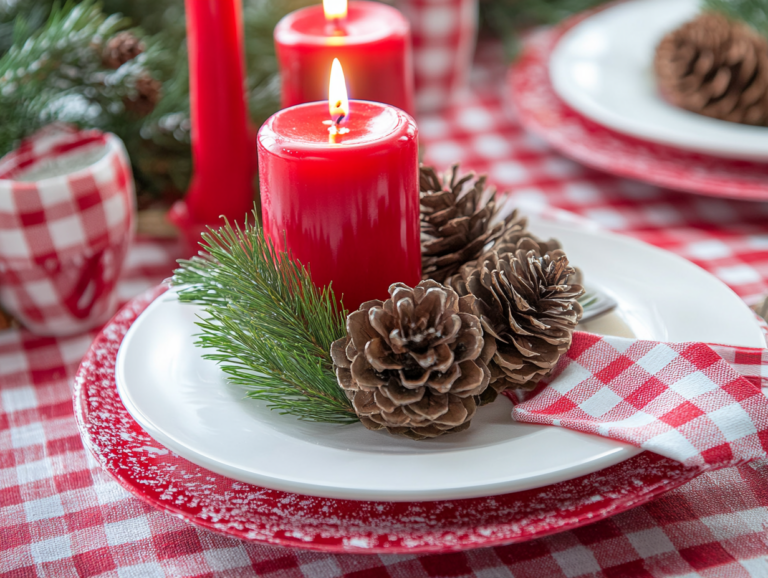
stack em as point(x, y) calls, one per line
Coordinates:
point(371, 39)
point(338, 102)
point(335, 9)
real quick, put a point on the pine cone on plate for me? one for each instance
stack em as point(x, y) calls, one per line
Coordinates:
point(411, 364)
point(121, 48)
point(525, 299)
point(716, 67)
point(146, 97)
point(509, 241)
point(456, 220)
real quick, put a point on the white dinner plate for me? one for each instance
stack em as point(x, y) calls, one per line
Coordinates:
point(603, 68)
point(186, 404)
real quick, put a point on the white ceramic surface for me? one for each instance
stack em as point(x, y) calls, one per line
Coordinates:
point(186, 404)
point(603, 68)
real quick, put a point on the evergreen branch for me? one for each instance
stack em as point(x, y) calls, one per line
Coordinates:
point(270, 328)
point(57, 74)
point(19, 19)
point(71, 85)
point(508, 18)
point(753, 12)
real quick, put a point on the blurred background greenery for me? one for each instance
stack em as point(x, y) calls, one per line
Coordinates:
point(50, 69)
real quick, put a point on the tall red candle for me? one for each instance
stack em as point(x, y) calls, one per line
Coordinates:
point(222, 148)
point(372, 42)
point(346, 205)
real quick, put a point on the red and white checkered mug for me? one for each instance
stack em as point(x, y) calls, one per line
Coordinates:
point(66, 222)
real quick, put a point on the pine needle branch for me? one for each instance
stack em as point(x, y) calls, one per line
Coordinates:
point(753, 12)
point(57, 73)
point(508, 18)
point(270, 328)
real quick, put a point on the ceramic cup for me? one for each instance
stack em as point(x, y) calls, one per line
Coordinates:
point(66, 221)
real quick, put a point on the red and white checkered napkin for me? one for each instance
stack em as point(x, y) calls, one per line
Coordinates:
point(66, 221)
point(698, 404)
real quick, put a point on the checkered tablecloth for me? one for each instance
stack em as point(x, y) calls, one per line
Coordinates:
point(60, 515)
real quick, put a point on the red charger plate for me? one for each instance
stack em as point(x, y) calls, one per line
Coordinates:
point(170, 483)
point(542, 112)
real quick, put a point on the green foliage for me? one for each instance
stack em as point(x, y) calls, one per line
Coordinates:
point(509, 17)
point(269, 328)
point(159, 145)
point(57, 74)
point(19, 19)
point(162, 154)
point(754, 12)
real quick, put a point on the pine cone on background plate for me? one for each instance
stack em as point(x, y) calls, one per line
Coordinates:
point(523, 294)
point(411, 364)
point(456, 215)
point(716, 67)
point(121, 48)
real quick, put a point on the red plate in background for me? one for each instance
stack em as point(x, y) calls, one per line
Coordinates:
point(542, 112)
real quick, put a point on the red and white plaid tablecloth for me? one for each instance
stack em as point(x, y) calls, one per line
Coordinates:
point(61, 516)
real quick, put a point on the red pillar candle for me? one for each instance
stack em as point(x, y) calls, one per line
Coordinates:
point(372, 41)
point(347, 203)
point(222, 143)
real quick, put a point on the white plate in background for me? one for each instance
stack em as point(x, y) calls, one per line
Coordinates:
point(603, 68)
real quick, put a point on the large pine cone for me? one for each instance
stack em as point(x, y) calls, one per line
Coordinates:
point(525, 299)
point(715, 67)
point(410, 364)
point(456, 215)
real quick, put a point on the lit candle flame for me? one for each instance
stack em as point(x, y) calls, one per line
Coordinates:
point(338, 103)
point(335, 9)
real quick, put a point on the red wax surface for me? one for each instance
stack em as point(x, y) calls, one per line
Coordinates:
point(222, 144)
point(350, 209)
point(374, 48)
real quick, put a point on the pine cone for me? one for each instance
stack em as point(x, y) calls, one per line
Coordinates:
point(510, 239)
point(715, 67)
point(121, 48)
point(456, 215)
point(146, 97)
point(6, 321)
point(410, 364)
point(524, 299)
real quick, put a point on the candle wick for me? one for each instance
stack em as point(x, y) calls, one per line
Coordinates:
point(336, 26)
point(334, 129)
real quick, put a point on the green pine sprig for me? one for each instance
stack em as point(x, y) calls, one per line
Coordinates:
point(753, 12)
point(510, 18)
point(267, 325)
point(56, 73)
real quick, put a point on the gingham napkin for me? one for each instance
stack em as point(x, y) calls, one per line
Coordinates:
point(696, 403)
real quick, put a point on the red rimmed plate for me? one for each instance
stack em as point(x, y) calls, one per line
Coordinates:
point(542, 112)
point(175, 485)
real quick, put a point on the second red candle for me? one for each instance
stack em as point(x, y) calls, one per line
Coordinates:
point(373, 44)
